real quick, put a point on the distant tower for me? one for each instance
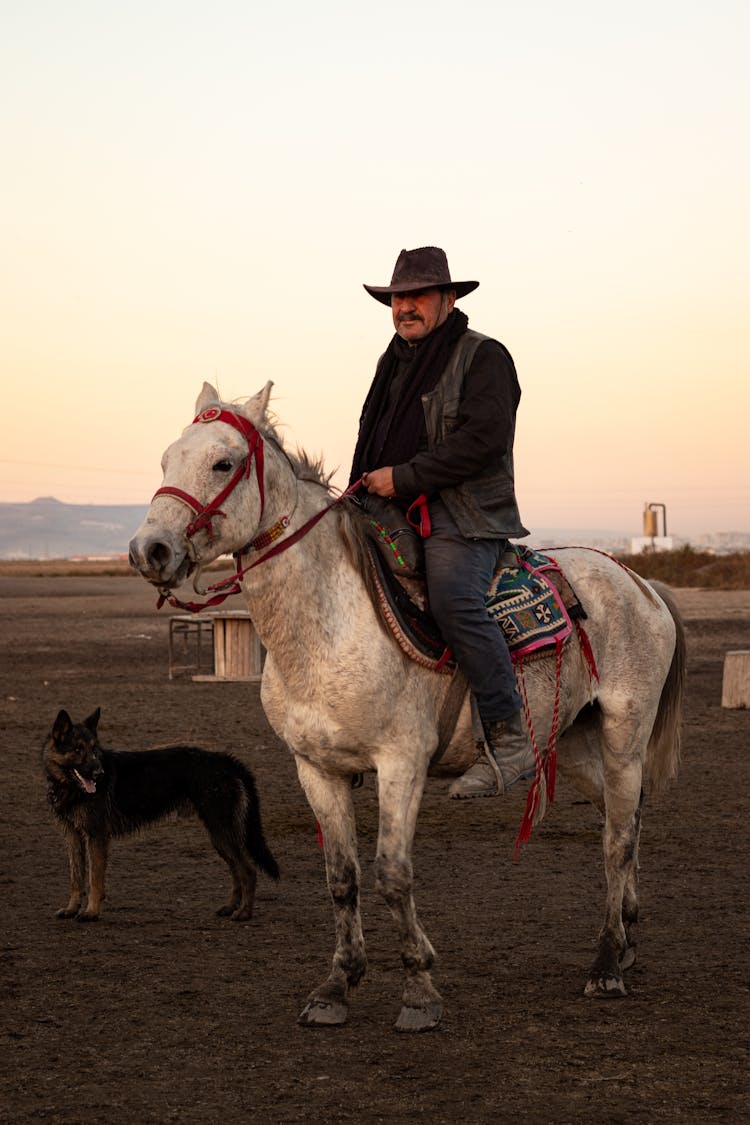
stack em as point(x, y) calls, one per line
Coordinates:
point(650, 523)
point(651, 540)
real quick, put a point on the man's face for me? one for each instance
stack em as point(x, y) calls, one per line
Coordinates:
point(417, 314)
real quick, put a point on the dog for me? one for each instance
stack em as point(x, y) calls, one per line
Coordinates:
point(97, 794)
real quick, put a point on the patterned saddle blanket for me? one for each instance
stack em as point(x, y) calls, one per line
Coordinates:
point(529, 597)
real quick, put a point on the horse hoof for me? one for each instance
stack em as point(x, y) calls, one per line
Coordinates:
point(419, 1019)
point(323, 1013)
point(605, 988)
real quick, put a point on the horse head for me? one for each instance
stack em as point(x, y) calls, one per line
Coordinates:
point(199, 512)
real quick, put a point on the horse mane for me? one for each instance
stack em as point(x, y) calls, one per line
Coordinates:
point(351, 525)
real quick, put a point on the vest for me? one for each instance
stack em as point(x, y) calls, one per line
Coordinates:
point(484, 507)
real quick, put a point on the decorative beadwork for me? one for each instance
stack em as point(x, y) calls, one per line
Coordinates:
point(266, 538)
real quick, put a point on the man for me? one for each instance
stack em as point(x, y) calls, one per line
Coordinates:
point(439, 419)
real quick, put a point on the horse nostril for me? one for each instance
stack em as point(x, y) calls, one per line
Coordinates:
point(158, 555)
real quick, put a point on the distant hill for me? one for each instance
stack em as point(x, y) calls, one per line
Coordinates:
point(48, 529)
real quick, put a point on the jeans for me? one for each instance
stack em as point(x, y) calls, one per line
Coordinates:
point(458, 573)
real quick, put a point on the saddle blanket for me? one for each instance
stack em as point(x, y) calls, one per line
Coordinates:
point(532, 601)
point(529, 598)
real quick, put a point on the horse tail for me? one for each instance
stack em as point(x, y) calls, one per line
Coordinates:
point(663, 758)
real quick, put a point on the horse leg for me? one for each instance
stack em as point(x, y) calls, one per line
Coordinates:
point(400, 798)
point(330, 798)
point(580, 758)
point(630, 895)
point(580, 762)
point(615, 950)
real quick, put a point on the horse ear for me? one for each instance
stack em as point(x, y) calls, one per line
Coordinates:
point(255, 408)
point(208, 395)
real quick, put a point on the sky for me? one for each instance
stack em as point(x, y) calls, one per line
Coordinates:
point(197, 192)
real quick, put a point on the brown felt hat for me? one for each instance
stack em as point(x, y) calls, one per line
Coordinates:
point(424, 268)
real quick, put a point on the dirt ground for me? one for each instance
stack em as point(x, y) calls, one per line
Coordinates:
point(161, 1012)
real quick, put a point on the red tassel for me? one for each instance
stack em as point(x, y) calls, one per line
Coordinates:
point(587, 651)
point(550, 773)
point(320, 834)
point(532, 802)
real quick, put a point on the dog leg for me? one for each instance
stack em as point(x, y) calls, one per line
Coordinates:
point(76, 847)
point(235, 898)
point(97, 857)
point(244, 877)
point(248, 878)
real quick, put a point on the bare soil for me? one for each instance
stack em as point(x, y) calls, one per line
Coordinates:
point(161, 1012)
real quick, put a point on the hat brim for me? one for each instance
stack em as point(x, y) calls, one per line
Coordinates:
point(383, 293)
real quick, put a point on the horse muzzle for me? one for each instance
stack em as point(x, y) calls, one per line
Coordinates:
point(160, 557)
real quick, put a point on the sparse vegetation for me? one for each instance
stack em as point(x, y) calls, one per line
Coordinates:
point(694, 569)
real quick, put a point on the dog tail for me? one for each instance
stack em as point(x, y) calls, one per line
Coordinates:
point(254, 838)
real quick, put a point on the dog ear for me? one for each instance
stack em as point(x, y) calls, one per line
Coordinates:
point(61, 725)
point(93, 720)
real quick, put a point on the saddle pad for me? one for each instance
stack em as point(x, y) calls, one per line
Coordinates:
point(532, 601)
point(529, 597)
point(415, 630)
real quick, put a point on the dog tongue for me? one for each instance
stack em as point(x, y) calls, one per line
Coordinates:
point(85, 783)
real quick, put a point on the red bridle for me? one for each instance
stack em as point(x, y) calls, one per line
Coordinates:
point(204, 513)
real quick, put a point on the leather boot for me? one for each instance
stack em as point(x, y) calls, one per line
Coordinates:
point(506, 757)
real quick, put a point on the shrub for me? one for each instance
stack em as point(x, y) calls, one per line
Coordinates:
point(688, 568)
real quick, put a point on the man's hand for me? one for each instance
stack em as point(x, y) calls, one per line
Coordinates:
point(380, 481)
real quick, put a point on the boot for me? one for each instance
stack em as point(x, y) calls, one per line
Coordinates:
point(506, 757)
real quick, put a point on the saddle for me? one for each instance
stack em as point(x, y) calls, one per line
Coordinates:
point(397, 542)
point(529, 597)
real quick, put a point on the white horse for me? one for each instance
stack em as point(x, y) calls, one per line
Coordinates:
point(346, 700)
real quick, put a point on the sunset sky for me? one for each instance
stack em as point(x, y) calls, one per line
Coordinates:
point(198, 191)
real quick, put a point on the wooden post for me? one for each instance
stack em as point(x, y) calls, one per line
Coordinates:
point(238, 653)
point(735, 690)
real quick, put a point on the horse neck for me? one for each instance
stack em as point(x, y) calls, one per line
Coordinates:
point(308, 591)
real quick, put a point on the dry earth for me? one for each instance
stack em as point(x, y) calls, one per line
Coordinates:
point(162, 1012)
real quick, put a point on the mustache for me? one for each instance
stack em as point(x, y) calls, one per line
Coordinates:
point(410, 316)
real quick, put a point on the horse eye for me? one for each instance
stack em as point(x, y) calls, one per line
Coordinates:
point(222, 466)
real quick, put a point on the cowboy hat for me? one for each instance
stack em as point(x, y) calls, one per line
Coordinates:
point(423, 268)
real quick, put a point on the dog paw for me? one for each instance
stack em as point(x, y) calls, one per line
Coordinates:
point(86, 916)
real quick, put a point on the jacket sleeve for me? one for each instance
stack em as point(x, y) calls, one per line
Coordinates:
point(477, 437)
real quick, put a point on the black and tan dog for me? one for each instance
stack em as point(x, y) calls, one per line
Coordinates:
point(97, 794)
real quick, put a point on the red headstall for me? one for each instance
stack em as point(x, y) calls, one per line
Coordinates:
point(204, 513)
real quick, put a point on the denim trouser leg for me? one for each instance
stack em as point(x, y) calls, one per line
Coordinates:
point(459, 571)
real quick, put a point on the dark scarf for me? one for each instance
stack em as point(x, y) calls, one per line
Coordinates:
point(389, 433)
